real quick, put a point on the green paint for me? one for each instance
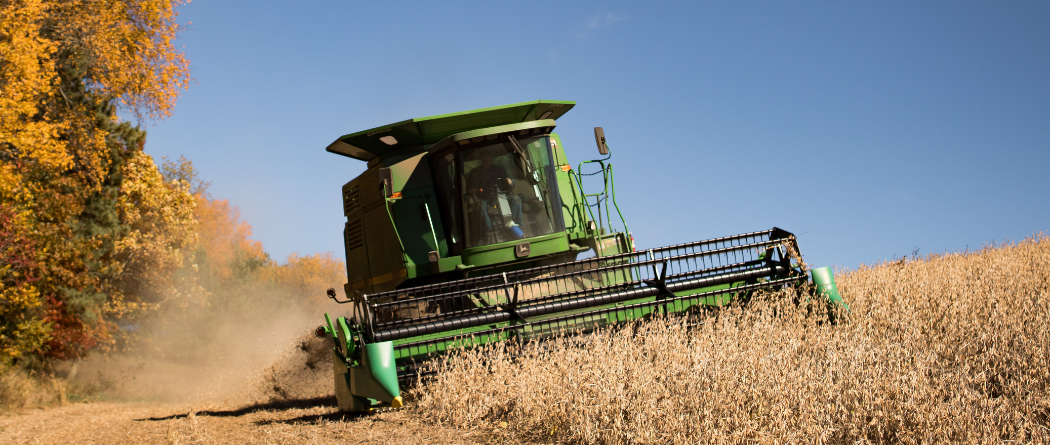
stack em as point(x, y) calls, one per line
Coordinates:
point(824, 281)
point(504, 252)
point(387, 235)
point(509, 128)
point(367, 145)
point(388, 240)
point(379, 360)
point(328, 322)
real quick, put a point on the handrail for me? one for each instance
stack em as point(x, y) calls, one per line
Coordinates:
point(585, 204)
point(581, 205)
point(627, 232)
point(607, 180)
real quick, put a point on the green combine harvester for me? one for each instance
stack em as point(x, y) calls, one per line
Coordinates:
point(465, 230)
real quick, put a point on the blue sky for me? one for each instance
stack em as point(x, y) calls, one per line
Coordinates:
point(868, 129)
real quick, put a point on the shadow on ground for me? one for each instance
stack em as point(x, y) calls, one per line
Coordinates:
point(270, 406)
point(331, 417)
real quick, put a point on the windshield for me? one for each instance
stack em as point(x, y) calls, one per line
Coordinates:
point(504, 190)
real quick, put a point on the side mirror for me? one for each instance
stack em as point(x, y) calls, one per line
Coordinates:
point(599, 138)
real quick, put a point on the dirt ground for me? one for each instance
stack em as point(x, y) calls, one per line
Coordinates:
point(227, 402)
point(300, 422)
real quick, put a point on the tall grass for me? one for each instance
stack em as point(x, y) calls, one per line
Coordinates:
point(22, 388)
point(952, 347)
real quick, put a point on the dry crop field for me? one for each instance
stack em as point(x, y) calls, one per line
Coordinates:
point(947, 348)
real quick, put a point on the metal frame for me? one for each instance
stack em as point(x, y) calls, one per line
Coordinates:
point(533, 303)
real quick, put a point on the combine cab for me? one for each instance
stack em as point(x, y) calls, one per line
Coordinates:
point(466, 229)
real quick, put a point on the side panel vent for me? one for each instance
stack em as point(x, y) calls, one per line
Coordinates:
point(354, 234)
point(351, 199)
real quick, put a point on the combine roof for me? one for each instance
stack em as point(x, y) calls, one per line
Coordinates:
point(368, 144)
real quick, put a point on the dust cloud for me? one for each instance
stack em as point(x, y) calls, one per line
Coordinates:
point(244, 351)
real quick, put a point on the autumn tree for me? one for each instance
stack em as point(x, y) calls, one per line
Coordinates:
point(95, 239)
point(227, 277)
point(86, 212)
point(22, 330)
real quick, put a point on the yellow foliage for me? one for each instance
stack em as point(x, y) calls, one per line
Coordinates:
point(28, 81)
point(115, 236)
point(64, 66)
point(126, 52)
point(310, 274)
point(130, 44)
point(223, 237)
point(224, 245)
point(21, 327)
point(26, 333)
point(160, 216)
point(162, 227)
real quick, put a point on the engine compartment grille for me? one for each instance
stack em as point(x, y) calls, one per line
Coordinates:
point(351, 199)
point(354, 234)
